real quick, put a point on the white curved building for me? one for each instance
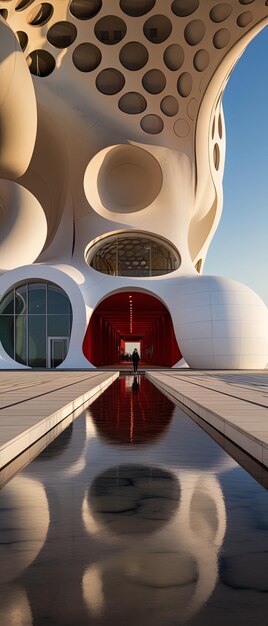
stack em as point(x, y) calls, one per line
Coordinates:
point(111, 161)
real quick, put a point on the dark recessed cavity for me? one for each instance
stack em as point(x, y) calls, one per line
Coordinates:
point(169, 105)
point(41, 63)
point(154, 81)
point(62, 34)
point(182, 8)
point(85, 9)
point(220, 12)
point(133, 56)
point(110, 81)
point(23, 4)
point(157, 28)
point(135, 8)
point(132, 103)
point(110, 29)
point(86, 57)
point(23, 39)
point(152, 124)
point(4, 13)
point(41, 14)
point(174, 57)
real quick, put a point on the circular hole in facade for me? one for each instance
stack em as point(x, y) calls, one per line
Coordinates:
point(85, 9)
point(184, 85)
point(4, 13)
point(174, 57)
point(133, 56)
point(23, 4)
point(216, 156)
point(201, 60)
point(62, 34)
point(86, 57)
point(135, 8)
point(110, 81)
point(41, 63)
point(221, 38)
point(110, 30)
point(194, 32)
point(169, 105)
point(129, 179)
point(220, 12)
point(220, 129)
point(154, 81)
point(248, 1)
point(244, 19)
point(40, 15)
point(182, 8)
point(23, 39)
point(157, 28)
point(152, 124)
point(132, 103)
point(213, 128)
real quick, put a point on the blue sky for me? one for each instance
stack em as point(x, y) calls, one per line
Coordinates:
point(239, 249)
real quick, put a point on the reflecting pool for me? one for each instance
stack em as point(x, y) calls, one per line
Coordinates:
point(133, 516)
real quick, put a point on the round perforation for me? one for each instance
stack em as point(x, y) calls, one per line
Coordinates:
point(40, 15)
point(41, 63)
point(157, 28)
point(201, 60)
point(152, 124)
point(4, 13)
point(133, 56)
point(169, 105)
point(174, 57)
point(221, 38)
point(85, 10)
point(23, 39)
point(23, 4)
point(184, 85)
point(194, 32)
point(216, 156)
point(86, 57)
point(244, 19)
point(246, 1)
point(220, 130)
point(132, 103)
point(182, 8)
point(154, 81)
point(110, 81)
point(220, 12)
point(62, 34)
point(136, 8)
point(110, 30)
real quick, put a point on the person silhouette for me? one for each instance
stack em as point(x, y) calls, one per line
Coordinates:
point(135, 359)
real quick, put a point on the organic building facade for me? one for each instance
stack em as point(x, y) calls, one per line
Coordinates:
point(112, 155)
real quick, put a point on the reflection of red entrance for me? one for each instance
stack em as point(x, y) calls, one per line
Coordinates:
point(131, 316)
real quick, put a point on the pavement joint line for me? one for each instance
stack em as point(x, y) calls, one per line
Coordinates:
point(6, 406)
point(191, 382)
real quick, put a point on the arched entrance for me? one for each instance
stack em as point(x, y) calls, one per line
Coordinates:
point(128, 318)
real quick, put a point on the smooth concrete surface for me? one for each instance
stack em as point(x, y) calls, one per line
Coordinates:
point(234, 403)
point(32, 403)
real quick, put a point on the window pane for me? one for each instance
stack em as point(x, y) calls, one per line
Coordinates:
point(37, 298)
point(37, 341)
point(57, 300)
point(7, 303)
point(58, 325)
point(21, 339)
point(21, 299)
point(7, 333)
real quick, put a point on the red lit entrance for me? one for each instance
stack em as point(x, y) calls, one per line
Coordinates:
point(131, 317)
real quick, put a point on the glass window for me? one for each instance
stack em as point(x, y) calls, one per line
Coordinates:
point(37, 298)
point(7, 333)
point(7, 304)
point(57, 301)
point(37, 341)
point(21, 333)
point(58, 325)
point(21, 299)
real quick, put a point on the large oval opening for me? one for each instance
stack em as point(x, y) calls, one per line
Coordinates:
point(129, 320)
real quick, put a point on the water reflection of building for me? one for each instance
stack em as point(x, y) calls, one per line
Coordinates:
point(170, 494)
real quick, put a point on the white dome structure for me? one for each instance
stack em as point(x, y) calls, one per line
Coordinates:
point(112, 128)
